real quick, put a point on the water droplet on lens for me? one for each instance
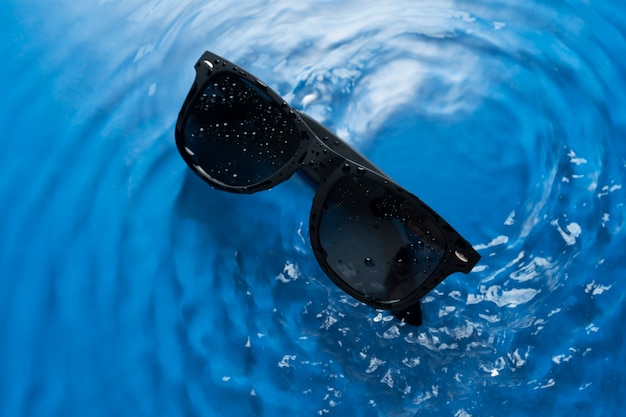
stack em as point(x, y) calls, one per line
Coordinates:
point(369, 262)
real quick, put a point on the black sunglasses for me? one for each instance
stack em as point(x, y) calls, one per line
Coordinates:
point(375, 240)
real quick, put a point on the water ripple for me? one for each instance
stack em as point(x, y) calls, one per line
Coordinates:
point(129, 276)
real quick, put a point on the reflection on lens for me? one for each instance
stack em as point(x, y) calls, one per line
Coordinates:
point(237, 134)
point(381, 244)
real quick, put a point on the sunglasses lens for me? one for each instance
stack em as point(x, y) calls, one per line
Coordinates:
point(237, 134)
point(379, 242)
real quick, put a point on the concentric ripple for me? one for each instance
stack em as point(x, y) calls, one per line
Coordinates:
point(131, 288)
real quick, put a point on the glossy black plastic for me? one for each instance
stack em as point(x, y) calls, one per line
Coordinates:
point(376, 241)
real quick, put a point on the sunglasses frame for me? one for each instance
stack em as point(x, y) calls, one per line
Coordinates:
point(325, 159)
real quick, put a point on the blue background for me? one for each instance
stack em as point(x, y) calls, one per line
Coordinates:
point(130, 288)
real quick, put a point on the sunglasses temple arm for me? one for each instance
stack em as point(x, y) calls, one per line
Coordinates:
point(338, 145)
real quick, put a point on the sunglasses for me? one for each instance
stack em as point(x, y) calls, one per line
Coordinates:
point(379, 243)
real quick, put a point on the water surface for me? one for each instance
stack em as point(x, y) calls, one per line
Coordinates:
point(130, 288)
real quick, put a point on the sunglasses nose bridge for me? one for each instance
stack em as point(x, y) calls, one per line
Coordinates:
point(320, 161)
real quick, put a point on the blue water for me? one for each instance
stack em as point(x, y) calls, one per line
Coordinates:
point(129, 288)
